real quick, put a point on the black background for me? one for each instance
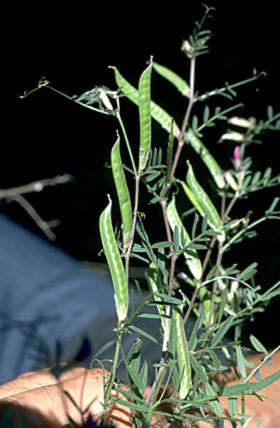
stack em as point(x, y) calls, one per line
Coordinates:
point(45, 135)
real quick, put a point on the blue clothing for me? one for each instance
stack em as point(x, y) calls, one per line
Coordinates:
point(46, 297)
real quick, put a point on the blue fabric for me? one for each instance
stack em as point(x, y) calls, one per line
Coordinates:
point(46, 293)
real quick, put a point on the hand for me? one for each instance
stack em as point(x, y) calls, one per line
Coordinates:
point(269, 409)
point(38, 398)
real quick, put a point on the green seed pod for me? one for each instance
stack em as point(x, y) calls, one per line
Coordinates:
point(173, 78)
point(165, 120)
point(204, 201)
point(144, 105)
point(182, 354)
point(115, 263)
point(191, 255)
point(122, 191)
point(160, 115)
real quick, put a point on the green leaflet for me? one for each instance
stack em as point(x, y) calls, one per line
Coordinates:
point(165, 120)
point(122, 191)
point(115, 263)
point(182, 354)
point(204, 201)
point(144, 103)
point(173, 78)
point(191, 255)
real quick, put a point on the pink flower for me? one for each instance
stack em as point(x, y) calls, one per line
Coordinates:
point(237, 156)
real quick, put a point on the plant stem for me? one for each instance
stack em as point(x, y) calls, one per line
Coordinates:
point(185, 121)
point(109, 386)
point(162, 370)
point(132, 233)
point(118, 116)
point(75, 101)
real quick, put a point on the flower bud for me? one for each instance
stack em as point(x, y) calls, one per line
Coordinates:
point(187, 49)
point(239, 121)
point(105, 99)
point(232, 135)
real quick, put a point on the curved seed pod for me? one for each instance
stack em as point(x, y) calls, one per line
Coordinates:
point(173, 78)
point(144, 105)
point(153, 279)
point(122, 191)
point(165, 120)
point(182, 354)
point(191, 255)
point(191, 197)
point(160, 115)
point(115, 263)
point(204, 201)
point(206, 157)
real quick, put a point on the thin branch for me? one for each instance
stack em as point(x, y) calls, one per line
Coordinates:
point(35, 186)
point(42, 224)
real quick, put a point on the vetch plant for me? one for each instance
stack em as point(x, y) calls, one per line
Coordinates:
point(188, 273)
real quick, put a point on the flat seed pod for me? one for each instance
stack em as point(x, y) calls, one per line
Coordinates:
point(165, 120)
point(160, 115)
point(122, 191)
point(115, 263)
point(204, 201)
point(173, 78)
point(182, 354)
point(144, 105)
point(191, 255)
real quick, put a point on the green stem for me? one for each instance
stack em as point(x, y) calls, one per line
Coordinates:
point(235, 237)
point(77, 102)
point(212, 119)
point(132, 233)
point(185, 121)
point(107, 394)
point(234, 85)
point(118, 116)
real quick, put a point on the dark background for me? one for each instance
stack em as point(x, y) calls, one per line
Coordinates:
point(46, 135)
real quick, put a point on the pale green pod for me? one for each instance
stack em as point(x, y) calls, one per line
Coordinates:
point(206, 157)
point(115, 263)
point(160, 115)
point(191, 197)
point(191, 255)
point(165, 120)
point(122, 191)
point(153, 279)
point(182, 354)
point(204, 201)
point(173, 78)
point(144, 105)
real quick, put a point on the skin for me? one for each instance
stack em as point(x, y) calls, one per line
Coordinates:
point(38, 396)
